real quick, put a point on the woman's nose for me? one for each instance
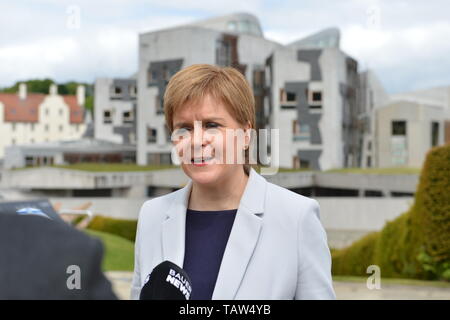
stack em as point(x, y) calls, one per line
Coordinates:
point(199, 138)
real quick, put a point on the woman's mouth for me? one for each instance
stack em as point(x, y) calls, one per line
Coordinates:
point(201, 161)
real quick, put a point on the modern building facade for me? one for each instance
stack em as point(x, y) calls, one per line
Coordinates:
point(115, 110)
point(405, 131)
point(234, 40)
point(28, 118)
point(435, 96)
point(309, 89)
point(371, 96)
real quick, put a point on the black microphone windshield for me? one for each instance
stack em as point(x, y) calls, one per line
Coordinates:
point(167, 282)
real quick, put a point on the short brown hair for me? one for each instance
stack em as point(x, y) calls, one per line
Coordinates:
point(224, 84)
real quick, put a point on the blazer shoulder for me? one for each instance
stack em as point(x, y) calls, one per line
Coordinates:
point(158, 205)
point(298, 204)
point(281, 194)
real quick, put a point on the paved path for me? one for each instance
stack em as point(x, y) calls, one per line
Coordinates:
point(344, 290)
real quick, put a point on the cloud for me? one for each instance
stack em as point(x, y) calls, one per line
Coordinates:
point(404, 42)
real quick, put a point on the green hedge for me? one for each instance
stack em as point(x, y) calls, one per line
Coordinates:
point(433, 204)
point(415, 244)
point(120, 227)
point(354, 260)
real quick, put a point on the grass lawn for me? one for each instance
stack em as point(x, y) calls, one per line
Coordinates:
point(118, 252)
point(398, 170)
point(410, 282)
point(124, 167)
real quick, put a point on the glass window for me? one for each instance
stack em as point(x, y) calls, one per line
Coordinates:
point(151, 135)
point(232, 25)
point(128, 117)
point(304, 163)
point(159, 105)
point(223, 53)
point(317, 96)
point(107, 116)
point(291, 97)
point(301, 132)
point(399, 128)
point(434, 134)
point(245, 26)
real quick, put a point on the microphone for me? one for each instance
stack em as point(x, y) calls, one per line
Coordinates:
point(167, 282)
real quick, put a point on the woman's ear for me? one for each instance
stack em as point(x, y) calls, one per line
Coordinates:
point(247, 129)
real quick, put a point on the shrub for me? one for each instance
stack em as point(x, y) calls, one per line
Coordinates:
point(433, 204)
point(120, 227)
point(397, 248)
point(417, 243)
point(355, 259)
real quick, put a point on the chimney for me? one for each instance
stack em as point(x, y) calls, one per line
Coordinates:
point(80, 95)
point(53, 89)
point(22, 91)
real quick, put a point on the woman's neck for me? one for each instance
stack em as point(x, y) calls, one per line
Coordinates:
point(224, 195)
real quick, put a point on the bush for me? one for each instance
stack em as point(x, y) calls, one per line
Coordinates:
point(355, 259)
point(417, 243)
point(433, 204)
point(397, 248)
point(120, 227)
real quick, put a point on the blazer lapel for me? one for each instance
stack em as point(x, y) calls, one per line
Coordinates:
point(241, 242)
point(174, 227)
point(243, 238)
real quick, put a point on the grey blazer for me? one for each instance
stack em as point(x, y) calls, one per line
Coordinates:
point(277, 248)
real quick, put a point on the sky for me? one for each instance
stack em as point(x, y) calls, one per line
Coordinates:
point(406, 43)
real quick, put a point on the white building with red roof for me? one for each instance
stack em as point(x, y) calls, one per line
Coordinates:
point(28, 118)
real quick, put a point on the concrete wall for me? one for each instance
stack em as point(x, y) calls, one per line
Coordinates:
point(344, 219)
point(103, 101)
point(286, 68)
point(418, 131)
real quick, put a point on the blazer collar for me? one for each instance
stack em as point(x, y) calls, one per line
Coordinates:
point(241, 242)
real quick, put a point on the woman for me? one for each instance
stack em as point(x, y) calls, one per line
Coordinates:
point(235, 234)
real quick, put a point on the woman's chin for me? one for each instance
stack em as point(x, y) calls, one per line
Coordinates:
point(203, 175)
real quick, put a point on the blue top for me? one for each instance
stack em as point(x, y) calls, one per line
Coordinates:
point(207, 235)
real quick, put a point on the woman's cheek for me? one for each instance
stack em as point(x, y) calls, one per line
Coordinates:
point(183, 148)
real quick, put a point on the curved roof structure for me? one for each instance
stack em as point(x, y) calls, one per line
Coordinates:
point(327, 38)
point(243, 23)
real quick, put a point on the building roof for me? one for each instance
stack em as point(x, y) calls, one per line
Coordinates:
point(235, 23)
point(21, 110)
point(27, 110)
point(434, 96)
point(327, 38)
point(76, 111)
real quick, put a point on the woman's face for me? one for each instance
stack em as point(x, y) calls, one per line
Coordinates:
point(209, 141)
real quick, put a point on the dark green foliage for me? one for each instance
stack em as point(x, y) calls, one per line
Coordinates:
point(120, 227)
point(42, 86)
point(417, 243)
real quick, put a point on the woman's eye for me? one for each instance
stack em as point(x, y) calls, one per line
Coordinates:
point(212, 125)
point(181, 131)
